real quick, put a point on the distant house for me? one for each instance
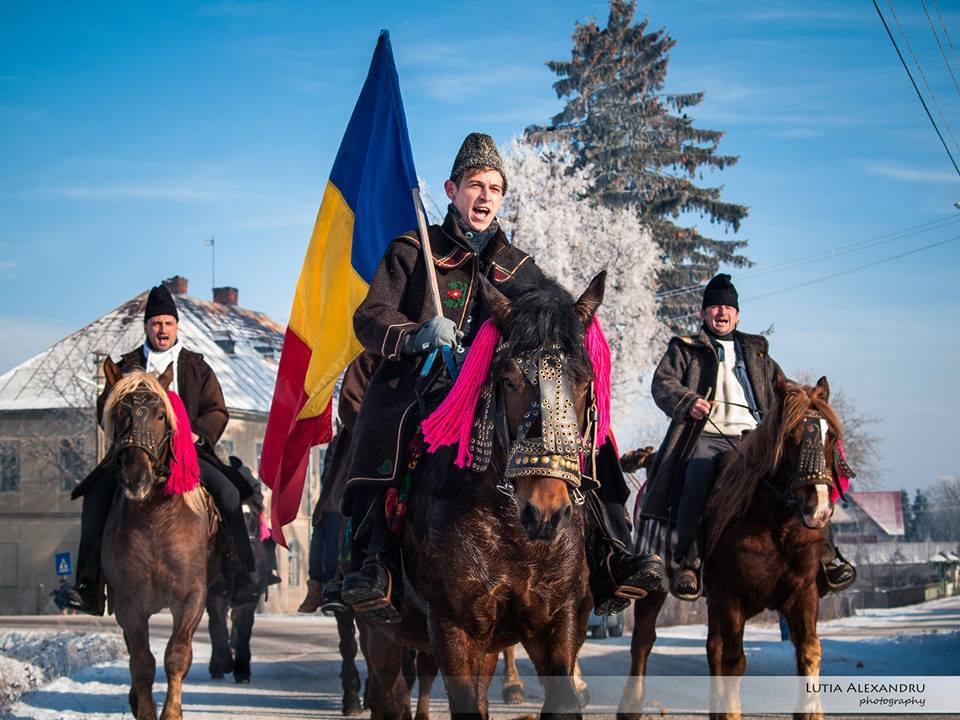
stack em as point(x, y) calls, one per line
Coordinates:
point(49, 439)
point(869, 517)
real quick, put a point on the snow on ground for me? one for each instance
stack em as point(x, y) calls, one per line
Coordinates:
point(296, 666)
point(29, 659)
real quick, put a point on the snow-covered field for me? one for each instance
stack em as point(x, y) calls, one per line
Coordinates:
point(296, 664)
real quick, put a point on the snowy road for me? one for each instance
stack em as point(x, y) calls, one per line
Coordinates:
point(295, 671)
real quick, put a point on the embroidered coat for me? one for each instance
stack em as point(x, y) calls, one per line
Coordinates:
point(397, 303)
point(688, 370)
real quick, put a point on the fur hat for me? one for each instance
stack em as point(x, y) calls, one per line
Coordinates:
point(160, 302)
point(478, 151)
point(720, 291)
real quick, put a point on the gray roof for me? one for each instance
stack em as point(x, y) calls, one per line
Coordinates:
point(242, 346)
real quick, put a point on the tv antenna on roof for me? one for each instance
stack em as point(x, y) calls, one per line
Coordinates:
point(212, 244)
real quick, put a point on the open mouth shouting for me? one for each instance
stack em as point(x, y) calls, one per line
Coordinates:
point(480, 215)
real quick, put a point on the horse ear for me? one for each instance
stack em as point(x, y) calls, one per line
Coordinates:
point(780, 384)
point(496, 302)
point(166, 377)
point(111, 372)
point(823, 389)
point(588, 303)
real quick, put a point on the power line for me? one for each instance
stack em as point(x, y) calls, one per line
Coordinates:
point(923, 75)
point(913, 82)
point(946, 34)
point(838, 274)
point(939, 45)
point(826, 254)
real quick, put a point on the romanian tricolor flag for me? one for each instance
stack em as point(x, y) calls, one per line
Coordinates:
point(367, 202)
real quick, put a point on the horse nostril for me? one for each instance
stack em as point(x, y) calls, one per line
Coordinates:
point(566, 513)
point(531, 517)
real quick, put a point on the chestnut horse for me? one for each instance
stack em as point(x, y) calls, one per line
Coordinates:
point(766, 524)
point(493, 557)
point(156, 546)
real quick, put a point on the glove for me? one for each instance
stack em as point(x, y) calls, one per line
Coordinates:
point(435, 332)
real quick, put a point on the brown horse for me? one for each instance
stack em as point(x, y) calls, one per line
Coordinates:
point(766, 524)
point(489, 561)
point(156, 546)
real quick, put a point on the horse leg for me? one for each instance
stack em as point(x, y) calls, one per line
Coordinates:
point(554, 652)
point(426, 674)
point(488, 668)
point(349, 676)
point(388, 696)
point(143, 666)
point(725, 655)
point(179, 653)
point(801, 612)
point(514, 691)
point(221, 661)
point(240, 633)
point(645, 614)
point(462, 664)
point(580, 685)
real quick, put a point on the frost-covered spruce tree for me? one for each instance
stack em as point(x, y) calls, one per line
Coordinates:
point(549, 214)
point(645, 150)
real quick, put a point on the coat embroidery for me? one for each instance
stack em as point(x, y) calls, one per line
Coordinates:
point(456, 294)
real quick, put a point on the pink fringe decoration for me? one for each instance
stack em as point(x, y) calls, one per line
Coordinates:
point(452, 421)
point(264, 528)
point(842, 479)
point(599, 353)
point(184, 467)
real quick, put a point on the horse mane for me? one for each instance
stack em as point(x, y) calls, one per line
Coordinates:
point(131, 383)
point(759, 455)
point(543, 313)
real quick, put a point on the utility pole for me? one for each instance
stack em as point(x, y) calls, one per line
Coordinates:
point(212, 244)
point(98, 378)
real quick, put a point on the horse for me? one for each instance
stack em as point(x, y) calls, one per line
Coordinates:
point(493, 543)
point(230, 642)
point(157, 546)
point(766, 523)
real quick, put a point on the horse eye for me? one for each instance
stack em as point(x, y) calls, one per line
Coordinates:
point(509, 384)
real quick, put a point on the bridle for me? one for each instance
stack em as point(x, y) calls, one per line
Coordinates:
point(557, 452)
point(140, 434)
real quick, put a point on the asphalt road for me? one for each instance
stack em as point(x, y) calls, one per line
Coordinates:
point(296, 664)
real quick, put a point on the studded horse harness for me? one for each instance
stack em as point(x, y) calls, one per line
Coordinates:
point(140, 434)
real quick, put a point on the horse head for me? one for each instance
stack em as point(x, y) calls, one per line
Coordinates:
point(543, 398)
point(138, 424)
point(808, 436)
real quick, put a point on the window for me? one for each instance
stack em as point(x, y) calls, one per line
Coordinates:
point(259, 450)
point(293, 564)
point(9, 465)
point(73, 466)
point(225, 448)
point(9, 565)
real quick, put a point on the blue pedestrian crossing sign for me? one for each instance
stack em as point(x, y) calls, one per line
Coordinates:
point(61, 561)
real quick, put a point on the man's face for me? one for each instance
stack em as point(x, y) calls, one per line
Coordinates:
point(161, 332)
point(478, 197)
point(720, 319)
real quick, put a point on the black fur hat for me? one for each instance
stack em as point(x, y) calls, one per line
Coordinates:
point(478, 151)
point(720, 291)
point(160, 302)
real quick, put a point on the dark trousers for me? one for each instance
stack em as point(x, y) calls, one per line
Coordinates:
point(325, 547)
point(697, 483)
point(99, 498)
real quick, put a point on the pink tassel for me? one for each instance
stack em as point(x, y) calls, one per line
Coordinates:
point(598, 350)
point(264, 528)
point(184, 467)
point(452, 421)
point(843, 480)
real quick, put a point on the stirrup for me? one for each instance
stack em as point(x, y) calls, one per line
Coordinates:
point(380, 609)
point(837, 587)
point(687, 596)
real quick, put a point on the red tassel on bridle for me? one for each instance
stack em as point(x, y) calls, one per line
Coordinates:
point(184, 466)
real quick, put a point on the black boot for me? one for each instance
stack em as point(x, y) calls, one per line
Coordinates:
point(370, 590)
point(837, 573)
point(86, 597)
point(331, 601)
point(686, 583)
point(617, 576)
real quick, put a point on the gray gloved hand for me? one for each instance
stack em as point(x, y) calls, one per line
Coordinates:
point(434, 333)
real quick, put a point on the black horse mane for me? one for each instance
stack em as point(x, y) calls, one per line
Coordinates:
point(544, 314)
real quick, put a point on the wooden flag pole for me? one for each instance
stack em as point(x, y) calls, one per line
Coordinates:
point(427, 252)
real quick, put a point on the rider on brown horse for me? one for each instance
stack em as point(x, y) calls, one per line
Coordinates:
point(196, 384)
point(714, 386)
point(397, 323)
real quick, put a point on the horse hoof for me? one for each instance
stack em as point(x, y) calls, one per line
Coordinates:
point(351, 704)
point(241, 679)
point(216, 675)
point(514, 694)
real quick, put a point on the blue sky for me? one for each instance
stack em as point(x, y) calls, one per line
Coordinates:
point(130, 132)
